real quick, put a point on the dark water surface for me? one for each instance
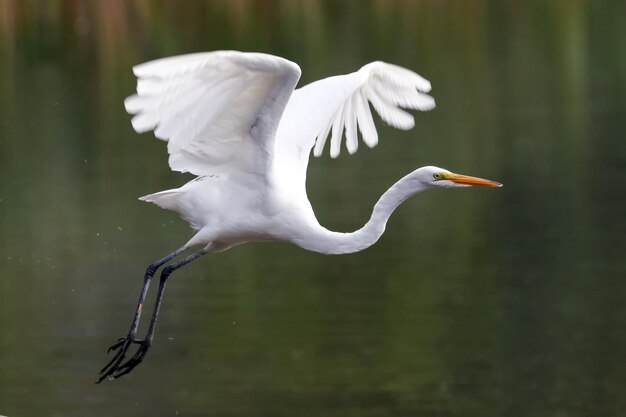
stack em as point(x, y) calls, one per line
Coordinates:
point(506, 302)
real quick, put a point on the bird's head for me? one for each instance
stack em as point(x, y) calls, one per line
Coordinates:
point(431, 176)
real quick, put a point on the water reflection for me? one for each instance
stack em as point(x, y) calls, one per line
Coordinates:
point(474, 303)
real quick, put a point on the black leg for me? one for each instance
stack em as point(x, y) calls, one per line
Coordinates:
point(116, 368)
point(165, 274)
point(123, 344)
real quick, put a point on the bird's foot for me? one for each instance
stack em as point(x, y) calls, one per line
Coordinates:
point(117, 367)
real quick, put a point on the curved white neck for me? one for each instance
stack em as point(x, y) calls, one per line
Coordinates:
point(328, 242)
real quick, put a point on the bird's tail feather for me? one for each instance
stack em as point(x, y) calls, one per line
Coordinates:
point(168, 199)
point(173, 200)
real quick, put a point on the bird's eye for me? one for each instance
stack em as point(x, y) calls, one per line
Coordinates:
point(437, 176)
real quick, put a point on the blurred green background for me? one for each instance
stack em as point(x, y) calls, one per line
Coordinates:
point(506, 302)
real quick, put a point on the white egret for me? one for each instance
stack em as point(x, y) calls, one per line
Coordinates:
point(235, 121)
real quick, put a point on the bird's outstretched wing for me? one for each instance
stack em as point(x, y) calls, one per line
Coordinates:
point(218, 111)
point(342, 104)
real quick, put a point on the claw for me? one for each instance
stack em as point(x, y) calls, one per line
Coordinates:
point(121, 346)
point(113, 360)
point(116, 367)
point(137, 358)
point(116, 346)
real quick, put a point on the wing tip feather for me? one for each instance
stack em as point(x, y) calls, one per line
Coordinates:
point(142, 123)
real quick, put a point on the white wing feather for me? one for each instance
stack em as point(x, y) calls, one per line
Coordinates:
point(218, 111)
point(339, 105)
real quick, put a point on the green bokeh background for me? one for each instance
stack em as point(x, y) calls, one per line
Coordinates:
point(505, 302)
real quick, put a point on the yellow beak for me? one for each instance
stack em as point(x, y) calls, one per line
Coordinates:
point(467, 180)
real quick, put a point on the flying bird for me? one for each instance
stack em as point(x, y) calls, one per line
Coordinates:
point(236, 122)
